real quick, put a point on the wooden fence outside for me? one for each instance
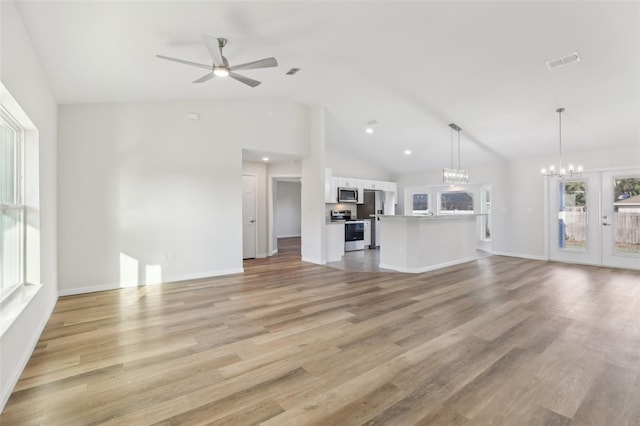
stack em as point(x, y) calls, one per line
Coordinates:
point(626, 226)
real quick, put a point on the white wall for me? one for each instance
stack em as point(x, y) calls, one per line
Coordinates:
point(141, 180)
point(286, 168)
point(518, 195)
point(21, 74)
point(287, 209)
point(314, 242)
point(345, 164)
point(262, 224)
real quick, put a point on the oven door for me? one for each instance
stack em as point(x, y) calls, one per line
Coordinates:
point(353, 236)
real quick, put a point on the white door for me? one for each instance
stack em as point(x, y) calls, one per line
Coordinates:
point(620, 219)
point(595, 219)
point(574, 230)
point(248, 216)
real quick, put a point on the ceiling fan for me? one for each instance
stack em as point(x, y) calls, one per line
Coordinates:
point(221, 67)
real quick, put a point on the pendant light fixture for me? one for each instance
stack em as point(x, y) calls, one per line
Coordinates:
point(561, 171)
point(451, 175)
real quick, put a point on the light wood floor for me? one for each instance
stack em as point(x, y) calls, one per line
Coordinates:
point(501, 341)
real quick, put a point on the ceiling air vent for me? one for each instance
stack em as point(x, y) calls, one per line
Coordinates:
point(563, 60)
point(293, 71)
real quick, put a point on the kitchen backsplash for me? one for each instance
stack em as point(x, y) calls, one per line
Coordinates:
point(345, 206)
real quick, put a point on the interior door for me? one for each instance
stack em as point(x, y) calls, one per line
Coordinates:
point(620, 219)
point(248, 216)
point(574, 219)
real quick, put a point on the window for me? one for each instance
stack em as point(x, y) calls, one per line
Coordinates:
point(11, 207)
point(485, 232)
point(458, 202)
point(572, 217)
point(420, 204)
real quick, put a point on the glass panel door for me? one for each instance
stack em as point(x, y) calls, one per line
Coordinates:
point(621, 219)
point(573, 222)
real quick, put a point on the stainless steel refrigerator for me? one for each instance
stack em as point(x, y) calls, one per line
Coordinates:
point(373, 205)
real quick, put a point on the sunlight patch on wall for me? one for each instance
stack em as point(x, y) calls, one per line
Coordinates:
point(153, 274)
point(128, 271)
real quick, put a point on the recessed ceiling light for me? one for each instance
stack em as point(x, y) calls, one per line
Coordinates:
point(371, 126)
point(265, 158)
point(407, 152)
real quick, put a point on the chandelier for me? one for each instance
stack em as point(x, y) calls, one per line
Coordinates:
point(561, 171)
point(451, 175)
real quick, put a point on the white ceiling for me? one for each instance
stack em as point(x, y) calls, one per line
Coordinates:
point(413, 66)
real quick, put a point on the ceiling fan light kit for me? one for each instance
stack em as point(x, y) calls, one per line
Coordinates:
point(220, 66)
point(562, 172)
point(452, 175)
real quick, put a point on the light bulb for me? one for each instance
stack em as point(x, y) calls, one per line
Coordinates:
point(265, 158)
point(552, 168)
point(562, 172)
point(571, 168)
point(369, 130)
point(543, 171)
point(579, 168)
point(220, 72)
point(407, 152)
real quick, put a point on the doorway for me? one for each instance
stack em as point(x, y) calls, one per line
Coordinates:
point(595, 219)
point(285, 209)
point(249, 229)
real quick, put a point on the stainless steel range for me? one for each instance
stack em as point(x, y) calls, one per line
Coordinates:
point(353, 230)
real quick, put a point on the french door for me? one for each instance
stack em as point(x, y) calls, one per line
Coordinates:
point(595, 219)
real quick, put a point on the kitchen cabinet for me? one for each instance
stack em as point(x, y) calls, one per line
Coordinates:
point(390, 187)
point(347, 182)
point(367, 233)
point(372, 184)
point(332, 183)
point(335, 241)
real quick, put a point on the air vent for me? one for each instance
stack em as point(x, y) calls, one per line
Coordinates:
point(293, 71)
point(563, 60)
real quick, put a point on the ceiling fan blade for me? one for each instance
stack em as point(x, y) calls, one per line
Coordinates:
point(242, 79)
point(194, 64)
point(262, 63)
point(205, 77)
point(213, 46)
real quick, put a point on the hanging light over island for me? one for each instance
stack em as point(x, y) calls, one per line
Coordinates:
point(452, 175)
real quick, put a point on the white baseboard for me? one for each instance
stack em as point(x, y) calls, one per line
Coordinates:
point(274, 252)
point(289, 236)
point(521, 255)
point(26, 356)
point(428, 268)
point(313, 260)
point(88, 289)
point(175, 278)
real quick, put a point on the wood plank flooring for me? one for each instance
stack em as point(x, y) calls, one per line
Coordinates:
point(501, 341)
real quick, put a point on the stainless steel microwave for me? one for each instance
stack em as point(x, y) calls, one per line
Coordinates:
point(347, 195)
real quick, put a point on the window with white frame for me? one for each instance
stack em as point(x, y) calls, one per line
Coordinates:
point(456, 202)
point(420, 203)
point(12, 211)
point(485, 232)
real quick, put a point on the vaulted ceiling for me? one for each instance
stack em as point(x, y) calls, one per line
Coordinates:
point(414, 67)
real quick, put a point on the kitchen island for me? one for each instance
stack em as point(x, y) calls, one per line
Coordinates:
point(423, 243)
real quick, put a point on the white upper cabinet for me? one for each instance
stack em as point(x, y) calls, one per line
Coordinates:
point(333, 183)
point(347, 182)
point(372, 184)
